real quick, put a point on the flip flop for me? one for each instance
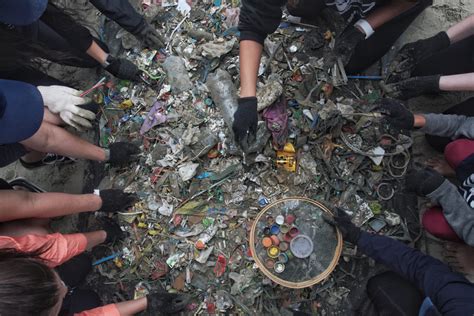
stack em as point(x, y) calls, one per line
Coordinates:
point(49, 159)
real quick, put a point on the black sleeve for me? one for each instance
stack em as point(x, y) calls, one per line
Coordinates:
point(75, 34)
point(258, 18)
point(122, 12)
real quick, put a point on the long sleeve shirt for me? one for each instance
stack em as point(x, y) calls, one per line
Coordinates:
point(451, 293)
point(456, 202)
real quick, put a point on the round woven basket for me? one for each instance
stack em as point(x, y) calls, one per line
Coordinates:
point(270, 274)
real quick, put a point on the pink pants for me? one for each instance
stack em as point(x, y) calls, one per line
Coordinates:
point(433, 220)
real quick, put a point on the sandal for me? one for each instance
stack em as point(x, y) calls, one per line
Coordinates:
point(49, 159)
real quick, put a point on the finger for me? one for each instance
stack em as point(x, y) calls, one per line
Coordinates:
point(75, 100)
point(67, 90)
point(80, 121)
point(244, 143)
point(69, 122)
point(83, 113)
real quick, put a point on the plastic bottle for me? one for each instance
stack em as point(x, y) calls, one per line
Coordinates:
point(223, 94)
point(178, 77)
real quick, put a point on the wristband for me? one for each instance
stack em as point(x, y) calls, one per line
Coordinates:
point(366, 27)
point(97, 192)
point(107, 154)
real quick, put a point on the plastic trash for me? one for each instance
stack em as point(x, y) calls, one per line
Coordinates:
point(177, 74)
point(223, 94)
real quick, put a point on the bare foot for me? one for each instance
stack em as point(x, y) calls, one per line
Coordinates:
point(441, 166)
point(460, 257)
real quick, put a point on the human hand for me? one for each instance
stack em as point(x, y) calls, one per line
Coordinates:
point(245, 122)
point(342, 221)
point(424, 182)
point(346, 43)
point(150, 37)
point(165, 303)
point(412, 53)
point(114, 200)
point(123, 68)
point(122, 152)
point(64, 101)
point(112, 229)
point(397, 114)
point(412, 87)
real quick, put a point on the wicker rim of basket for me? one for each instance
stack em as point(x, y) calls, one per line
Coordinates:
point(270, 275)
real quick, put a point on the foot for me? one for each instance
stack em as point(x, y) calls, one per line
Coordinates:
point(460, 257)
point(441, 166)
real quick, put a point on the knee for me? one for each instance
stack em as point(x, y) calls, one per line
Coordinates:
point(456, 151)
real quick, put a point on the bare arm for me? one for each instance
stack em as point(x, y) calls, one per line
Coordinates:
point(461, 82)
point(132, 307)
point(462, 30)
point(250, 54)
point(384, 14)
point(97, 53)
point(22, 204)
point(95, 238)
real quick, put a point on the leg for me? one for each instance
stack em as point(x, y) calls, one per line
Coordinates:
point(75, 271)
point(10, 153)
point(393, 295)
point(465, 108)
point(54, 139)
point(436, 224)
point(31, 76)
point(456, 59)
point(369, 51)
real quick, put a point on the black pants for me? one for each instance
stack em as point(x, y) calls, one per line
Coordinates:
point(73, 273)
point(393, 295)
point(375, 47)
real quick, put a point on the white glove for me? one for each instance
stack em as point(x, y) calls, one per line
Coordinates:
point(63, 101)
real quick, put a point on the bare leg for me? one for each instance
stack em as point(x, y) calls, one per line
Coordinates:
point(441, 166)
point(460, 257)
point(54, 139)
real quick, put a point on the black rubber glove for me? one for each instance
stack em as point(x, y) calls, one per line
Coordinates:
point(413, 87)
point(412, 53)
point(113, 230)
point(346, 43)
point(165, 303)
point(341, 220)
point(123, 68)
point(122, 152)
point(150, 37)
point(245, 122)
point(397, 114)
point(115, 200)
point(424, 182)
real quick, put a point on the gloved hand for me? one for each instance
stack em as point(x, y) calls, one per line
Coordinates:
point(424, 182)
point(114, 200)
point(245, 122)
point(397, 114)
point(122, 152)
point(64, 101)
point(123, 68)
point(113, 230)
point(341, 220)
point(165, 303)
point(346, 43)
point(150, 37)
point(412, 53)
point(413, 87)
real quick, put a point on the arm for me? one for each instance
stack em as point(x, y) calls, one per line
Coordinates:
point(450, 292)
point(382, 15)
point(258, 18)
point(445, 125)
point(460, 82)
point(462, 30)
point(458, 213)
point(119, 309)
point(122, 12)
point(23, 204)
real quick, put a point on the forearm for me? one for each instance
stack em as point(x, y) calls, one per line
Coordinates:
point(97, 53)
point(462, 30)
point(132, 307)
point(250, 54)
point(23, 204)
point(461, 82)
point(386, 13)
point(445, 125)
point(95, 238)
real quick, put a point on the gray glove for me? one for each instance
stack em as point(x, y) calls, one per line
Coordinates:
point(150, 37)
